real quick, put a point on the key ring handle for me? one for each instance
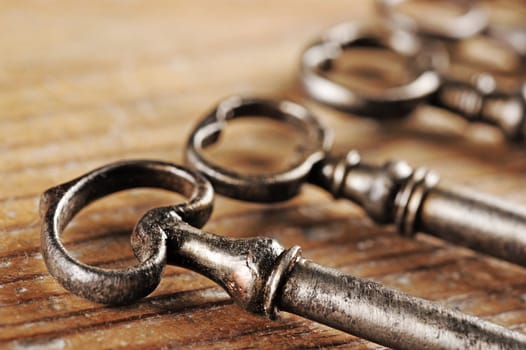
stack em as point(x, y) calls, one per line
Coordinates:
point(59, 205)
point(272, 187)
point(318, 58)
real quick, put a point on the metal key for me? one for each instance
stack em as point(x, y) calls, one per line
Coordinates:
point(258, 273)
point(478, 100)
point(501, 20)
point(414, 200)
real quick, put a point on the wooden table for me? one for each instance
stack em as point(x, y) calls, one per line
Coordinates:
point(86, 83)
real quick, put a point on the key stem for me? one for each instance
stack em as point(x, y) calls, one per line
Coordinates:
point(386, 316)
point(416, 201)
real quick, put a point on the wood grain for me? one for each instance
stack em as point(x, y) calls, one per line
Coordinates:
point(86, 83)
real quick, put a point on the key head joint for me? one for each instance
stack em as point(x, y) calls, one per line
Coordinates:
point(251, 270)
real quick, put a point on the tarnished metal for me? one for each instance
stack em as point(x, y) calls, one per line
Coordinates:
point(416, 201)
point(59, 204)
point(413, 199)
point(386, 316)
point(262, 188)
point(259, 274)
point(319, 57)
point(477, 101)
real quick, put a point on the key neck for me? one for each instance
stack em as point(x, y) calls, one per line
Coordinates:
point(250, 270)
point(389, 193)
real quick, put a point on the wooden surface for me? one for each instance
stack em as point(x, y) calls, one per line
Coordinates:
point(86, 83)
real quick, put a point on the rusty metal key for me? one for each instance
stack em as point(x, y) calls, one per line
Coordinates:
point(417, 201)
point(258, 273)
point(478, 100)
point(413, 199)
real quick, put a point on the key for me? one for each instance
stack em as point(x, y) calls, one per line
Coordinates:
point(258, 273)
point(478, 100)
point(263, 278)
point(416, 200)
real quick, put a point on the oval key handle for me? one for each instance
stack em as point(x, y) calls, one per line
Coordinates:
point(319, 57)
point(265, 187)
point(59, 205)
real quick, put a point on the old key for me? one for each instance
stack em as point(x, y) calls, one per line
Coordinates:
point(501, 20)
point(414, 200)
point(478, 100)
point(259, 274)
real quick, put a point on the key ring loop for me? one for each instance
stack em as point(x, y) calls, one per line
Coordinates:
point(59, 205)
point(273, 187)
point(399, 100)
point(471, 21)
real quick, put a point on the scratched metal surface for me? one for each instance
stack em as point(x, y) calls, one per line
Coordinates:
point(85, 83)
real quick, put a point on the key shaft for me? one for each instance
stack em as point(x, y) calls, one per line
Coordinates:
point(264, 278)
point(479, 102)
point(417, 201)
point(386, 316)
